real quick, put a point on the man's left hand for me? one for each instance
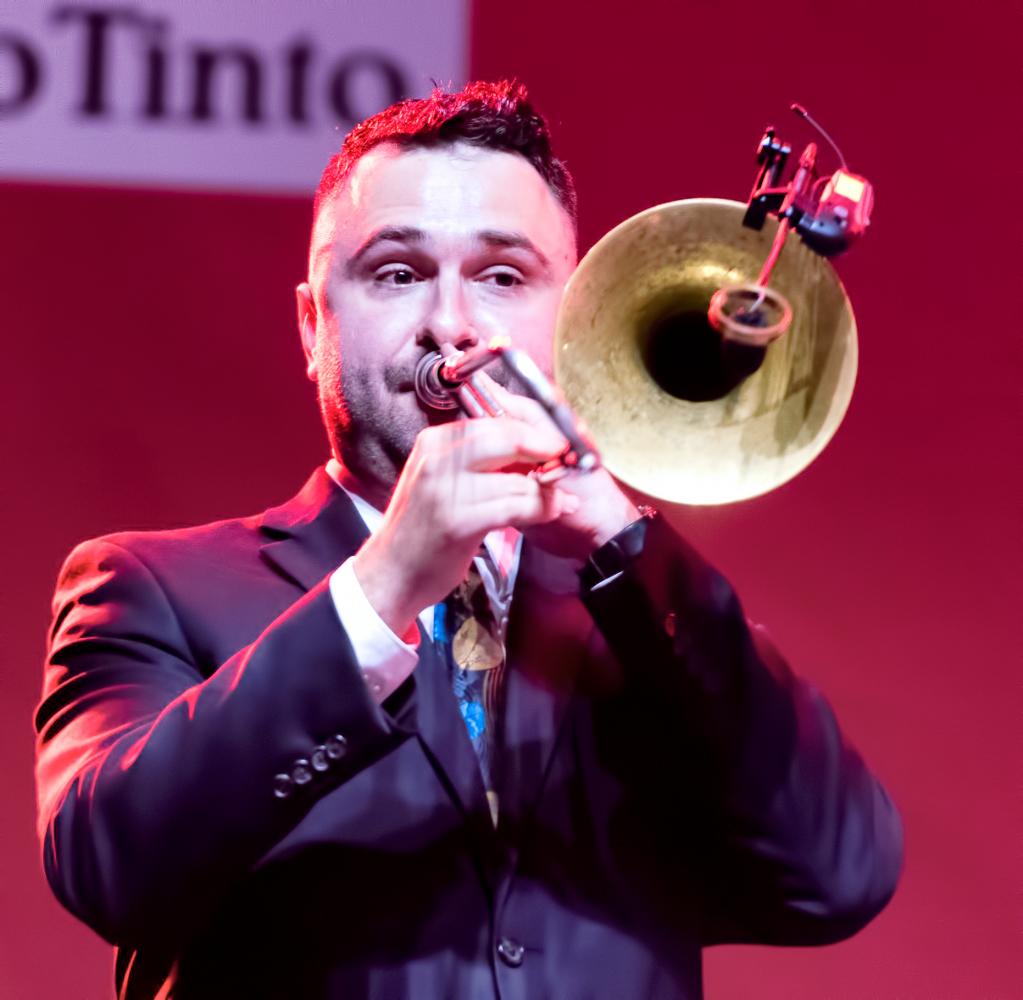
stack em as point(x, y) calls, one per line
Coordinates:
point(604, 509)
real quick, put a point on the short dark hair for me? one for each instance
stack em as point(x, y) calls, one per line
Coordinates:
point(494, 115)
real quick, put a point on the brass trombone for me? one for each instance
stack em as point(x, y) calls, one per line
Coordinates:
point(669, 341)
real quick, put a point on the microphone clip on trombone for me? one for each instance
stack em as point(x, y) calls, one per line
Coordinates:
point(828, 213)
point(451, 382)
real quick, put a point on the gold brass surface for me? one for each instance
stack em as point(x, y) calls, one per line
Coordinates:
point(672, 258)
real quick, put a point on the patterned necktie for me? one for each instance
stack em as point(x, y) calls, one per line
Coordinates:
point(465, 627)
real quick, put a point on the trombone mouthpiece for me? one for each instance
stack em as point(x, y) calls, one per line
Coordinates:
point(430, 389)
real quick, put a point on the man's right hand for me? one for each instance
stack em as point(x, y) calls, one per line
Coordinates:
point(455, 488)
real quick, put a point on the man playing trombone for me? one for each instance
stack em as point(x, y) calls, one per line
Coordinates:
point(438, 726)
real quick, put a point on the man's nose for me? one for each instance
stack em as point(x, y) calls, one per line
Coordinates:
point(448, 320)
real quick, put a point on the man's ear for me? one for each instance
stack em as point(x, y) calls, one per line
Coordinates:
point(307, 326)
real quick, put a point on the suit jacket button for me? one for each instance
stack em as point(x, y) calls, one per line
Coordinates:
point(510, 952)
point(301, 772)
point(319, 759)
point(336, 747)
point(283, 785)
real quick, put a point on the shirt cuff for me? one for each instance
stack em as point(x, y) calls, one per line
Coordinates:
point(386, 662)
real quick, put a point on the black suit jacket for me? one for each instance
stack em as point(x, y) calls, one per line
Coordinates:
point(667, 784)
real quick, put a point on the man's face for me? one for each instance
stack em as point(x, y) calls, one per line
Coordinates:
point(421, 248)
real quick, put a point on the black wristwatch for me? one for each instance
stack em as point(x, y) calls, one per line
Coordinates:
point(617, 552)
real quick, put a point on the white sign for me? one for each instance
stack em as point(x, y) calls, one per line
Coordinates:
point(240, 94)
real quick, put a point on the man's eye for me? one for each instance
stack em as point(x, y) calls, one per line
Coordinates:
point(396, 276)
point(503, 279)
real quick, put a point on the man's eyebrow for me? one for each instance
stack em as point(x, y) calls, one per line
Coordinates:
point(503, 238)
point(389, 234)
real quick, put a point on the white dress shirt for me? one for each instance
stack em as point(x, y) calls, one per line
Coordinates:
point(385, 660)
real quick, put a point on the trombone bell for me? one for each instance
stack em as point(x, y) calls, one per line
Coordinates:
point(677, 410)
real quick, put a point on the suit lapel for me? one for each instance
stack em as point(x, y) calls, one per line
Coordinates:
point(312, 534)
point(309, 537)
point(546, 647)
point(443, 735)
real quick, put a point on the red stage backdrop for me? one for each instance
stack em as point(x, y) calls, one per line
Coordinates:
point(154, 379)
